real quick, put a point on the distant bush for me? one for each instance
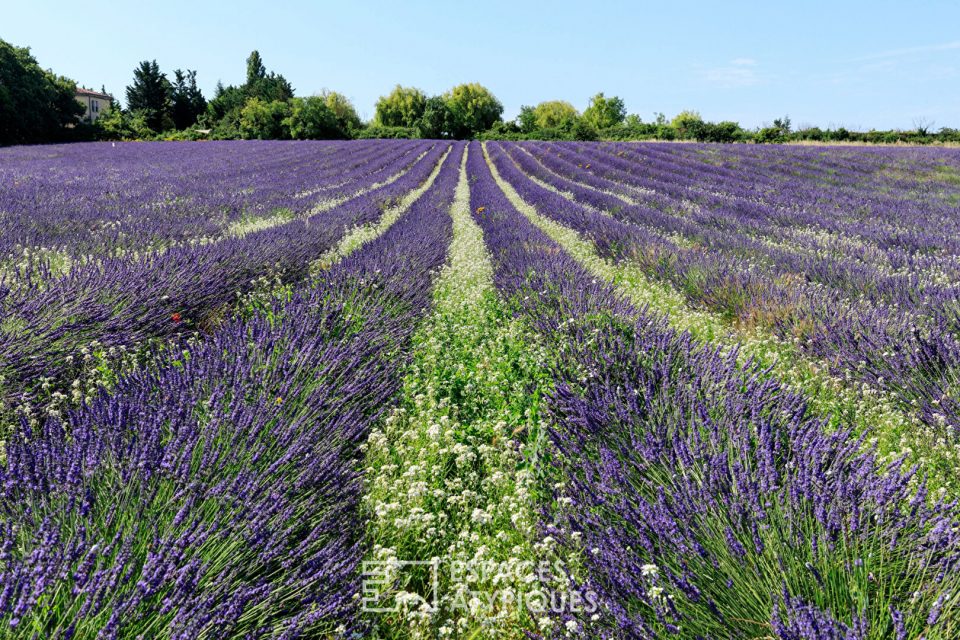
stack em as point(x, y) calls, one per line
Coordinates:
point(402, 107)
point(311, 119)
point(377, 131)
point(262, 120)
point(768, 135)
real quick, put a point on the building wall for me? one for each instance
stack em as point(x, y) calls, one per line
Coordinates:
point(93, 106)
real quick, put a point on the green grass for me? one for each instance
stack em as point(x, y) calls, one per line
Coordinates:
point(451, 473)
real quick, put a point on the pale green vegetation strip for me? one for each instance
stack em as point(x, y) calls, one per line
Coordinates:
point(359, 236)
point(326, 205)
point(244, 226)
point(847, 402)
point(450, 473)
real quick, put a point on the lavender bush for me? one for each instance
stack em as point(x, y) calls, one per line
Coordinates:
point(705, 498)
point(218, 495)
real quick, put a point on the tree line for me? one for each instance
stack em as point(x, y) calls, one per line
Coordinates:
point(37, 105)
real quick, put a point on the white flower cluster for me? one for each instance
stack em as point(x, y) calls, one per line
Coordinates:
point(448, 472)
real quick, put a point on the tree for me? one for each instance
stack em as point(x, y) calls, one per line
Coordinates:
point(262, 120)
point(686, 123)
point(473, 109)
point(555, 114)
point(783, 124)
point(225, 100)
point(311, 119)
point(527, 120)
point(402, 107)
point(436, 121)
point(583, 130)
point(346, 115)
point(187, 100)
point(119, 124)
point(266, 86)
point(255, 69)
point(35, 105)
point(224, 111)
point(604, 113)
point(150, 94)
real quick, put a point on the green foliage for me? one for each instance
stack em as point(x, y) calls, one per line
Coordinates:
point(311, 119)
point(725, 131)
point(527, 120)
point(261, 120)
point(686, 123)
point(550, 120)
point(266, 86)
point(256, 71)
point(183, 135)
point(343, 112)
point(503, 131)
point(187, 102)
point(226, 101)
point(35, 105)
point(604, 113)
point(555, 114)
point(402, 107)
point(472, 109)
point(583, 130)
point(437, 120)
point(378, 132)
point(768, 135)
point(151, 95)
point(119, 124)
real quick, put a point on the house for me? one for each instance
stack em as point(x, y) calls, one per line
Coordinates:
point(94, 103)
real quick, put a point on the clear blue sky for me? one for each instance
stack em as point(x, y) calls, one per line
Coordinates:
point(860, 64)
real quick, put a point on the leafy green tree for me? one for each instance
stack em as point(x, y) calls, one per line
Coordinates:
point(35, 105)
point(555, 114)
point(121, 124)
point(583, 130)
point(187, 101)
point(263, 85)
point(256, 71)
point(604, 113)
point(151, 94)
point(783, 124)
point(527, 120)
point(686, 123)
point(226, 100)
point(224, 111)
point(716, 131)
point(375, 131)
point(402, 107)
point(311, 119)
point(262, 120)
point(436, 121)
point(473, 109)
point(346, 115)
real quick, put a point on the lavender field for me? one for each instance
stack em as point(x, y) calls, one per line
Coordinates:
point(434, 389)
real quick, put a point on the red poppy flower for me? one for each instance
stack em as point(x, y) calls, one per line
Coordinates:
point(176, 317)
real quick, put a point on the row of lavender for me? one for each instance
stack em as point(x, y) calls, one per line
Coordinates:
point(869, 283)
point(217, 496)
point(706, 499)
point(94, 199)
point(121, 301)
